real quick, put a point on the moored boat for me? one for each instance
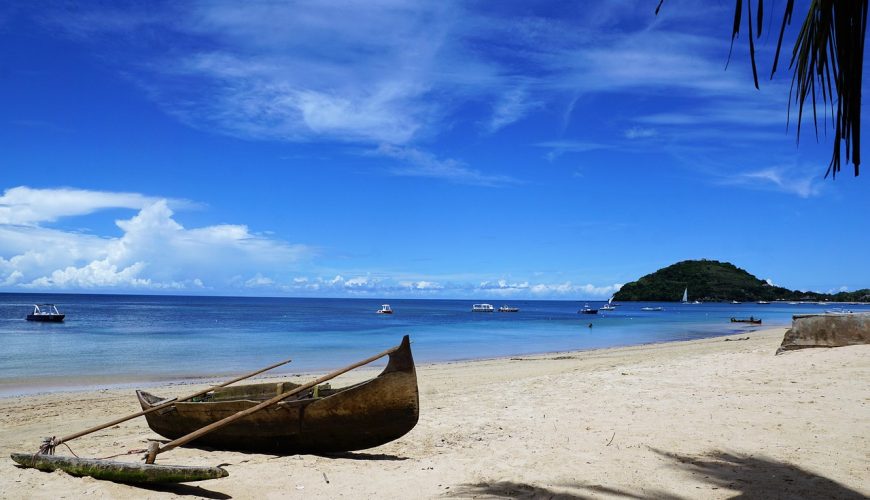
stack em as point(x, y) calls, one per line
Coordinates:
point(47, 313)
point(318, 420)
point(508, 309)
point(385, 309)
point(482, 308)
point(587, 310)
point(608, 306)
point(752, 320)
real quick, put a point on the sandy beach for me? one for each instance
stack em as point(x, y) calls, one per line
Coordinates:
point(714, 418)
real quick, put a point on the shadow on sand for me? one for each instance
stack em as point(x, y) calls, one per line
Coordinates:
point(743, 477)
point(355, 455)
point(183, 490)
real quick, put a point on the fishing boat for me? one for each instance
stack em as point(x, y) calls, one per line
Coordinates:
point(587, 310)
point(47, 313)
point(608, 306)
point(649, 308)
point(508, 309)
point(487, 308)
point(752, 320)
point(385, 309)
point(318, 420)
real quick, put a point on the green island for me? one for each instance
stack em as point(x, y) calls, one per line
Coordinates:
point(714, 281)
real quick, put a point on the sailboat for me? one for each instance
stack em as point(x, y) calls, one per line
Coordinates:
point(685, 296)
point(609, 305)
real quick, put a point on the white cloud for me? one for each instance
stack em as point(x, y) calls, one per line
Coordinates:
point(509, 108)
point(25, 205)
point(800, 182)
point(417, 163)
point(421, 285)
point(640, 133)
point(154, 250)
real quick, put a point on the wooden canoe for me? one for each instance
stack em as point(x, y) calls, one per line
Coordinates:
point(320, 420)
point(122, 472)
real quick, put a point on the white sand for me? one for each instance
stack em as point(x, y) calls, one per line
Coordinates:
point(701, 419)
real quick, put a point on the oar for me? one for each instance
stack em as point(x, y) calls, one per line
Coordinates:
point(54, 442)
point(154, 448)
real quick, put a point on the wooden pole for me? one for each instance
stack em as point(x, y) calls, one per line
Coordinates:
point(166, 403)
point(232, 418)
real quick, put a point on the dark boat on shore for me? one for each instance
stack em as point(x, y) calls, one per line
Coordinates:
point(47, 313)
point(754, 321)
point(319, 420)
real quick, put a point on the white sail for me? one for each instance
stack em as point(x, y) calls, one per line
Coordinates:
point(686, 295)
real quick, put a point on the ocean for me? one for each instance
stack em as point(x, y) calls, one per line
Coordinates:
point(126, 340)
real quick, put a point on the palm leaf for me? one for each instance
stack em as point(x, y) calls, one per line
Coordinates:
point(828, 53)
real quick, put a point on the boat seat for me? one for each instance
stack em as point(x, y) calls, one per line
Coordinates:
point(261, 392)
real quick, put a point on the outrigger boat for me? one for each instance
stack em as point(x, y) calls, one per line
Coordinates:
point(360, 416)
point(317, 420)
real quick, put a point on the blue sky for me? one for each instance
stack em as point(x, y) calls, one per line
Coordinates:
point(404, 149)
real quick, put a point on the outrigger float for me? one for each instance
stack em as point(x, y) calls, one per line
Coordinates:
point(401, 417)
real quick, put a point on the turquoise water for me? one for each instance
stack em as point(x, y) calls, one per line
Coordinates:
point(110, 340)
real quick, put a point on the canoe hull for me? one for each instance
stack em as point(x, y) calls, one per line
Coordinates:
point(122, 472)
point(358, 417)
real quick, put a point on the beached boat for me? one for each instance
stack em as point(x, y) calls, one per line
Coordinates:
point(385, 309)
point(487, 308)
point(648, 308)
point(754, 321)
point(45, 312)
point(319, 420)
point(508, 309)
point(587, 310)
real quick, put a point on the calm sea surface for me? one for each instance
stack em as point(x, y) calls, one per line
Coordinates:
point(112, 340)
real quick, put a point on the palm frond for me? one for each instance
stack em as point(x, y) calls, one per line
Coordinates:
point(828, 53)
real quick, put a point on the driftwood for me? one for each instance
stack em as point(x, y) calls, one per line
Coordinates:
point(122, 472)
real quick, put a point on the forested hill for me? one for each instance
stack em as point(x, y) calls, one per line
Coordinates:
point(711, 280)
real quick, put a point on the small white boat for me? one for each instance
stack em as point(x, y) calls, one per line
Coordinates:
point(482, 308)
point(648, 308)
point(609, 305)
point(685, 296)
point(385, 309)
point(508, 309)
point(763, 302)
point(47, 313)
point(736, 302)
